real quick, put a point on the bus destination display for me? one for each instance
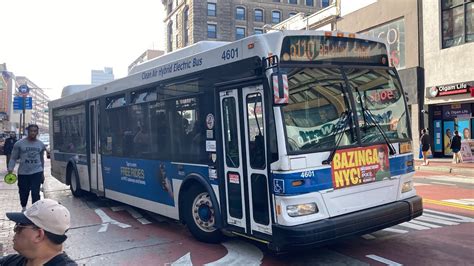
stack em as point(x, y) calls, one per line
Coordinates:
point(330, 49)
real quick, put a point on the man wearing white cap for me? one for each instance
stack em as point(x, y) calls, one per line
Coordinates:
point(40, 232)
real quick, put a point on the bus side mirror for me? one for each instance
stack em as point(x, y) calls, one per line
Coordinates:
point(280, 88)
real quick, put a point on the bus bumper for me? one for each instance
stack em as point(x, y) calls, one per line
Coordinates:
point(336, 228)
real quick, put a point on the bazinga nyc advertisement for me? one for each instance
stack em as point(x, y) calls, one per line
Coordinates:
point(351, 167)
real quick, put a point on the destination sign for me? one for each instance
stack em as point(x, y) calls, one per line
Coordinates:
point(330, 49)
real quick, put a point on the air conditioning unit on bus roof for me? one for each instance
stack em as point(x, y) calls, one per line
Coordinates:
point(71, 89)
point(193, 49)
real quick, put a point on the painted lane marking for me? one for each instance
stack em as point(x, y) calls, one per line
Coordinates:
point(421, 184)
point(184, 260)
point(132, 212)
point(383, 260)
point(435, 220)
point(443, 184)
point(413, 226)
point(239, 253)
point(368, 237)
point(449, 204)
point(106, 220)
point(467, 202)
point(393, 230)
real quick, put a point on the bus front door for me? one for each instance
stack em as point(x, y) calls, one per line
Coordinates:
point(245, 162)
point(96, 181)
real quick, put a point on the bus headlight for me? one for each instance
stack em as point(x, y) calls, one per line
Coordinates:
point(301, 209)
point(407, 186)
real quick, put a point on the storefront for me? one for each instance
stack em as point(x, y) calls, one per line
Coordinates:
point(451, 109)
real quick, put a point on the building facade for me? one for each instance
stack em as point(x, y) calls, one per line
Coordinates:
point(6, 83)
point(191, 21)
point(102, 76)
point(449, 72)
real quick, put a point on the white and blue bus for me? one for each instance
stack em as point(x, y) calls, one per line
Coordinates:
point(291, 138)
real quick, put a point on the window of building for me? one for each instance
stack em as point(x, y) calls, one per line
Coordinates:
point(185, 26)
point(240, 13)
point(278, 1)
point(239, 33)
point(325, 3)
point(211, 9)
point(212, 31)
point(258, 15)
point(457, 22)
point(309, 2)
point(276, 17)
point(293, 2)
point(170, 36)
point(291, 14)
point(258, 31)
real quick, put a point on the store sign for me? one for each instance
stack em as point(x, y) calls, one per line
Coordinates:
point(456, 111)
point(394, 34)
point(451, 89)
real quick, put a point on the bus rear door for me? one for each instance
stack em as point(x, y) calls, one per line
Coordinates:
point(96, 181)
point(244, 159)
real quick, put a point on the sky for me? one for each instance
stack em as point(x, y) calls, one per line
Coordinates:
point(56, 43)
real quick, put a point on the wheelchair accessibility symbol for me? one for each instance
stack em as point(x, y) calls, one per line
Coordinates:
point(278, 185)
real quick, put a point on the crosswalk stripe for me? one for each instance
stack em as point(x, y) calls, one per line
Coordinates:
point(425, 224)
point(393, 230)
point(468, 202)
point(414, 226)
point(435, 220)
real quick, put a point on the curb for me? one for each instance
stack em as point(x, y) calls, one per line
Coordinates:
point(460, 171)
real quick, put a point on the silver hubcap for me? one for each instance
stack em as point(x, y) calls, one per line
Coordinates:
point(203, 213)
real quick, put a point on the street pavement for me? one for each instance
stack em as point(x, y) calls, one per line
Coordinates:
point(105, 232)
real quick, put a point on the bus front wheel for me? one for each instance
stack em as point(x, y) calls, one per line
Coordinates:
point(199, 215)
point(75, 186)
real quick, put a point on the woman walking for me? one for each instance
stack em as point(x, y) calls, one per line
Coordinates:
point(425, 146)
point(456, 147)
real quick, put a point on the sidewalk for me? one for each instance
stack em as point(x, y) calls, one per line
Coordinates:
point(445, 165)
point(9, 202)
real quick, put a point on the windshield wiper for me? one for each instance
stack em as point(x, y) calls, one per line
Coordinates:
point(371, 119)
point(344, 120)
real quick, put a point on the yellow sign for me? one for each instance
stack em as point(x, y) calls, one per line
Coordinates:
point(357, 166)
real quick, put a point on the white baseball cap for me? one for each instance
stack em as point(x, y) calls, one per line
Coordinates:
point(47, 214)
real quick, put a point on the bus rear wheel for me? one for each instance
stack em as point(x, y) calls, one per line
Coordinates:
point(75, 185)
point(199, 215)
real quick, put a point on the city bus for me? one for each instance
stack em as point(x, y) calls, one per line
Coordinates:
point(290, 138)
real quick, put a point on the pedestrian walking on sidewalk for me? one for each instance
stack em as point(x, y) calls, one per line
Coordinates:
point(8, 147)
point(30, 152)
point(456, 147)
point(40, 232)
point(425, 146)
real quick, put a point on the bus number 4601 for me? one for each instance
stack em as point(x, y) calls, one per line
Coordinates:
point(230, 54)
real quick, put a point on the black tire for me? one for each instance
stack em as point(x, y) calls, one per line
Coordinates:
point(199, 216)
point(75, 185)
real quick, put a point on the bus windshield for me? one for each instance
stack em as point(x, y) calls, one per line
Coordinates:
point(319, 110)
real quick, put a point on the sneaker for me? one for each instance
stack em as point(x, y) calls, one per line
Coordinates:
point(23, 209)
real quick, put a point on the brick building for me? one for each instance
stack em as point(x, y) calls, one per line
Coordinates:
point(191, 21)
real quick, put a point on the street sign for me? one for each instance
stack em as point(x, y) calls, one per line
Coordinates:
point(23, 89)
point(18, 103)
